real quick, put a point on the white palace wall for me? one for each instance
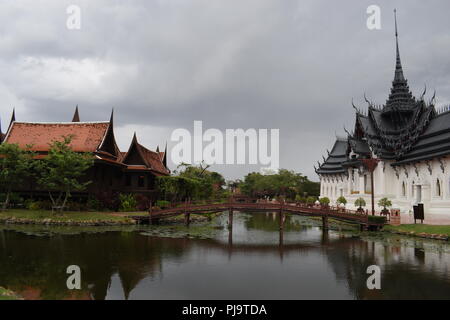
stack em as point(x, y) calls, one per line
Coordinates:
point(425, 182)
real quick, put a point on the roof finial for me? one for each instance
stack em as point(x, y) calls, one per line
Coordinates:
point(111, 119)
point(433, 97)
point(395, 19)
point(424, 91)
point(357, 111)
point(76, 116)
point(398, 64)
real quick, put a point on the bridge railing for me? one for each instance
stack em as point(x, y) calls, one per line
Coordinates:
point(320, 210)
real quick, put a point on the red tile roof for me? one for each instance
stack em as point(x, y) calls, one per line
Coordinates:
point(87, 136)
point(153, 159)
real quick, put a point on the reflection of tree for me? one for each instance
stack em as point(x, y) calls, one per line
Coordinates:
point(38, 264)
point(270, 221)
point(405, 279)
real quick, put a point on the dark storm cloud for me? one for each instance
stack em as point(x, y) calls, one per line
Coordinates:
point(292, 65)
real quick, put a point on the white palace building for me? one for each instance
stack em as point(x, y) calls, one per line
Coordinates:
point(411, 140)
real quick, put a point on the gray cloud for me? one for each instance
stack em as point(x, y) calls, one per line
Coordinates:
point(292, 65)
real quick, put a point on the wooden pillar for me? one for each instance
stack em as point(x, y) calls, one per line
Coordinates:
point(187, 218)
point(187, 215)
point(282, 216)
point(281, 238)
point(325, 222)
point(372, 192)
point(325, 237)
point(230, 219)
point(150, 212)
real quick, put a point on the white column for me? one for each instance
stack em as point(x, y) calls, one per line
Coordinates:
point(361, 184)
point(349, 183)
point(382, 187)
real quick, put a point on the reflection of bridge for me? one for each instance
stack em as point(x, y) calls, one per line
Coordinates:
point(300, 209)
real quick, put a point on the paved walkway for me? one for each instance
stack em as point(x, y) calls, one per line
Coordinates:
point(436, 219)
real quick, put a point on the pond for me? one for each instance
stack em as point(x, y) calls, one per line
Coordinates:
point(206, 261)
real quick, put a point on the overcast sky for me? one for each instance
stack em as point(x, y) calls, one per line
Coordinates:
point(287, 64)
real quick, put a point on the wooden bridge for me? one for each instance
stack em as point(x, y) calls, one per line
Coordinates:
point(187, 208)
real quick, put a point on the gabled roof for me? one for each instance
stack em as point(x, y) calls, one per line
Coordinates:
point(87, 136)
point(139, 157)
point(337, 156)
point(433, 143)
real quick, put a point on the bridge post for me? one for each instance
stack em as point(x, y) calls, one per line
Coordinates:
point(282, 216)
point(187, 219)
point(152, 219)
point(187, 215)
point(325, 222)
point(230, 219)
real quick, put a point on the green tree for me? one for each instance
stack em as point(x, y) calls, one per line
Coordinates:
point(324, 201)
point(16, 166)
point(341, 200)
point(360, 202)
point(176, 188)
point(61, 170)
point(385, 203)
point(284, 183)
point(310, 200)
point(205, 184)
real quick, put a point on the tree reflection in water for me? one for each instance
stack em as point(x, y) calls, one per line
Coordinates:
point(241, 264)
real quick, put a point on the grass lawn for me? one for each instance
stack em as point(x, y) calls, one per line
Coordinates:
point(66, 216)
point(420, 228)
point(7, 294)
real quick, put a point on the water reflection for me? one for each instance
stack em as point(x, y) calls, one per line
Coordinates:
point(252, 260)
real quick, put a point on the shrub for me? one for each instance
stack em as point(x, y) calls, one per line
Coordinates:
point(76, 206)
point(324, 201)
point(163, 204)
point(142, 202)
point(377, 219)
point(127, 202)
point(14, 199)
point(93, 204)
point(341, 200)
point(109, 200)
point(33, 205)
point(38, 205)
point(310, 200)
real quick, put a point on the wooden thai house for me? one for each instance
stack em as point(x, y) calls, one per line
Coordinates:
point(133, 171)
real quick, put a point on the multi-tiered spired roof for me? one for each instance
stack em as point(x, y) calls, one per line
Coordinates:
point(404, 129)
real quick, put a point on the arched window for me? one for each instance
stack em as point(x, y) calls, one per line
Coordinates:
point(403, 189)
point(438, 188)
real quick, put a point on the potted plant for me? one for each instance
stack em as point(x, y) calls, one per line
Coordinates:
point(385, 203)
point(360, 203)
point(341, 201)
point(310, 201)
point(324, 202)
